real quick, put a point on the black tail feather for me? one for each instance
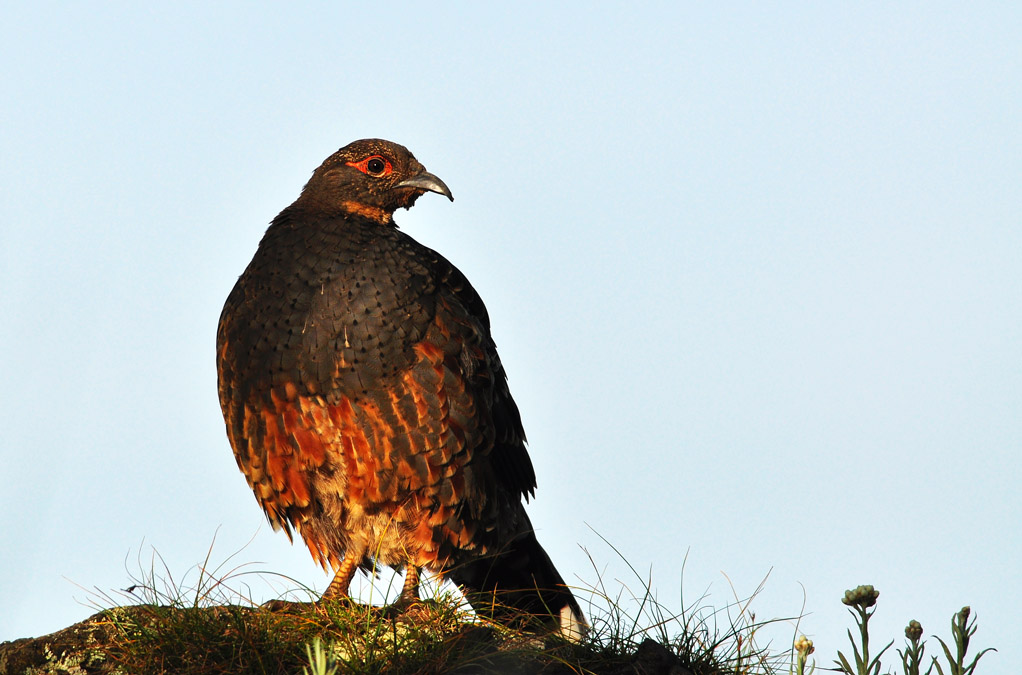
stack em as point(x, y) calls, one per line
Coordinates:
point(519, 585)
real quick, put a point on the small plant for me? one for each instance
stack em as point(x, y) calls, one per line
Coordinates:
point(320, 661)
point(912, 657)
point(961, 632)
point(803, 648)
point(860, 600)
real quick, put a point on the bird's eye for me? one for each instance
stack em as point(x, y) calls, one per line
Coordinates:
point(375, 166)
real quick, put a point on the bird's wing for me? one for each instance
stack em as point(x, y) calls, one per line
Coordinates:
point(509, 455)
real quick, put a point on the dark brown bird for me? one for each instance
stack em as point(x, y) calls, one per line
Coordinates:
point(366, 403)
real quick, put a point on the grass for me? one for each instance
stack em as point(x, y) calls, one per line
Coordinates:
point(210, 625)
point(207, 623)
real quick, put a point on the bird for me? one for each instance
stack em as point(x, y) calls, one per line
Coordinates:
point(367, 406)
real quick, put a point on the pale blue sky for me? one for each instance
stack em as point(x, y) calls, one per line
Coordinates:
point(754, 273)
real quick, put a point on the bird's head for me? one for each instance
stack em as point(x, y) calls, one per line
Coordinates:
point(371, 178)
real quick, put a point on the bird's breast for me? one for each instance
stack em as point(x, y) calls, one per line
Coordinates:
point(332, 319)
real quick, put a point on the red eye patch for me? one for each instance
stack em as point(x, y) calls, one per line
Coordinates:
point(375, 165)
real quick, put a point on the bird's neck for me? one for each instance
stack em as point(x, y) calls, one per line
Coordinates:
point(373, 213)
point(351, 219)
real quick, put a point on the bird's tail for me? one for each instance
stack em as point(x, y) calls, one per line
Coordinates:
point(520, 585)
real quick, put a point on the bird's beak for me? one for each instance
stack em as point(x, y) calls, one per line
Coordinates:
point(427, 181)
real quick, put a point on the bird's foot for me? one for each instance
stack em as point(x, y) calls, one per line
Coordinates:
point(287, 606)
point(417, 611)
point(296, 607)
point(402, 606)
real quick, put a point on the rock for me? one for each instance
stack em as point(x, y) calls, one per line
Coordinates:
point(81, 649)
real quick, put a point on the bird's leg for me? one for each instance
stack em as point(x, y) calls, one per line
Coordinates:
point(409, 598)
point(410, 588)
point(338, 588)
